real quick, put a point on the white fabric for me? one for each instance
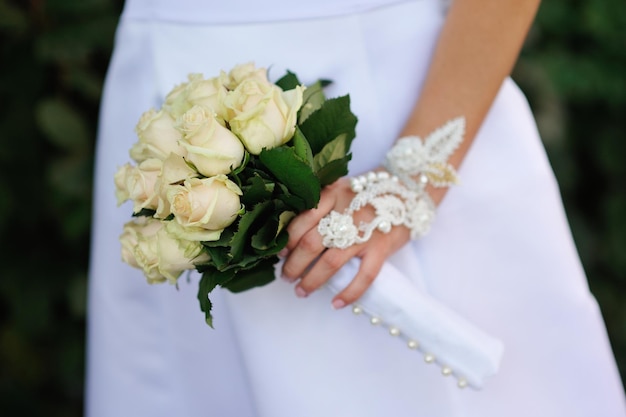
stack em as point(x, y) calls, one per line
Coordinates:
point(452, 341)
point(245, 11)
point(499, 254)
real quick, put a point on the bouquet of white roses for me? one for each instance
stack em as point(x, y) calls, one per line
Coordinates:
point(220, 170)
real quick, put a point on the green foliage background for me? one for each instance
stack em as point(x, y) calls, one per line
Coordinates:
point(53, 57)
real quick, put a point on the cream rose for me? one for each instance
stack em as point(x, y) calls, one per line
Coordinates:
point(174, 171)
point(195, 234)
point(177, 255)
point(264, 116)
point(209, 203)
point(137, 183)
point(243, 72)
point(139, 247)
point(129, 239)
point(121, 190)
point(211, 147)
point(147, 245)
point(158, 137)
point(209, 93)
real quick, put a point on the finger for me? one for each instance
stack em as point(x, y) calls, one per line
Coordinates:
point(371, 264)
point(324, 268)
point(309, 219)
point(301, 256)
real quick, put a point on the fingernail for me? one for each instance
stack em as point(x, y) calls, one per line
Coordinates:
point(283, 253)
point(300, 292)
point(285, 278)
point(337, 304)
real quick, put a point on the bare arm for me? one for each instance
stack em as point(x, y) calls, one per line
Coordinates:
point(477, 49)
point(478, 46)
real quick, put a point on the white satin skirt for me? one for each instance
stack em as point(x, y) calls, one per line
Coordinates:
point(500, 252)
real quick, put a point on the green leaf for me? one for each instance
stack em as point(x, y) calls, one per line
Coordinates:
point(220, 257)
point(293, 202)
point(258, 276)
point(265, 238)
point(247, 228)
point(256, 191)
point(302, 147)
point(312, 99)
point(276, 245)
point(334, 170)
point(334, 118)
point(335, 149)
point(288, 81)
point(295, 174)
point(62, 124)
point(211, 279)
point(225, 239)
point(144, 212)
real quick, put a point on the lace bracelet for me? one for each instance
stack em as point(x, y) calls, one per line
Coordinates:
point(398, 196)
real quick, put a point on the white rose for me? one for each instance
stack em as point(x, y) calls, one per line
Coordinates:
point(158, 137)
point(209, 203)
point(139, 246)
point(129, 240)
point(211, 147)
point(147, 245)
point(243, 72)
point(195, 234)
point(264, 115)
point(177, 255)
point(121, 190)
point(174, 171)
point(137, 183)
point(209, 93)
point(176, 102)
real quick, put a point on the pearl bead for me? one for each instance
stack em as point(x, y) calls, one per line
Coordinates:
point(383, 175)
point(462, 383)
point(412, 344)
point(446, 370)
point(357, 310)
point(375, 321)
point(371, 176)
point(429, 358)
point(384, 226)
point(394, 331)
point(423, 179)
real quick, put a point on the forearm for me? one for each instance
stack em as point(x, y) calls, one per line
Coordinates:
point(477, 49)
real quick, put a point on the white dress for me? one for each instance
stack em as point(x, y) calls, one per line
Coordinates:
point(500, 252)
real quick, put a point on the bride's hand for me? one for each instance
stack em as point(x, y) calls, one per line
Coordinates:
point(307, 259)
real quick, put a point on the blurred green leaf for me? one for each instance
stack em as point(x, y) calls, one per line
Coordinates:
point(69, 175)
point(62, 124)
point(86, 83)
point(12, 19)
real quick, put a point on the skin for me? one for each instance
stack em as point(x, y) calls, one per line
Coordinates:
point(477, 48)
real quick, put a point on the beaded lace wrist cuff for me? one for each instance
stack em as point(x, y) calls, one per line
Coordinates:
point(398, 198)
point(395, 205)
point(418, 163)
